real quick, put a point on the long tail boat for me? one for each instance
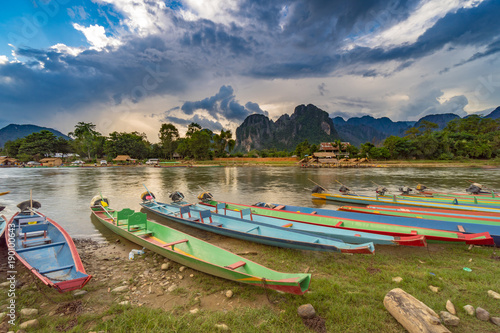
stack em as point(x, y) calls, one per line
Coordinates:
point(462, 223)
point(253, 231)
point(361, 222)
point(3, 223)
point(46, 249)
point(471, 200)
point(193, 252)
point(349, 236)
point(443, 212)
point(394, 201)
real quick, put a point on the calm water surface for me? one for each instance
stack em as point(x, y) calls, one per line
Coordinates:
point(65, 193)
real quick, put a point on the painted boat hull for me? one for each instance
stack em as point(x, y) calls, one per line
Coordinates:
point(365, 200)
point(343, 234)
point(3, 225)
point(51, 258)
point(260, 232)
point(471, 201)
point(355, 222)
point(206, 257)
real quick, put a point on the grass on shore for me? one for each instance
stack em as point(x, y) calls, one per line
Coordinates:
point(346, 290)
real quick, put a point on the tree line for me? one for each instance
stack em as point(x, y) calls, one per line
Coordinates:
point(473, 137)
point(86, 141)
point(470, 137)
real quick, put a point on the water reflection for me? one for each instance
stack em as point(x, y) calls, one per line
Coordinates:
point(65, 193)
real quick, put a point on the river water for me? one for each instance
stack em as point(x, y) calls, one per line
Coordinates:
point(65, 192)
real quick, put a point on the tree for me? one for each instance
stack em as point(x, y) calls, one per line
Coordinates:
point(192, 128)
point(40, 143)
point(222, 142)
point(133, 144)
point(11, 148)
point(199, 144)
point(87, 139)
point(168, 136)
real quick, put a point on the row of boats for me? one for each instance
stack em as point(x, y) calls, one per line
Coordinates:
point(48, 251)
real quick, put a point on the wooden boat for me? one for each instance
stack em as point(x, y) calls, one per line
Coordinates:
point(442, 221)
point(47, 250)
point(348, 236)
point(443, 212)
point(3, 223)
point(471, 200)
point(253, 231)
point(193, 252)
point(362, 222)
point(394, 201)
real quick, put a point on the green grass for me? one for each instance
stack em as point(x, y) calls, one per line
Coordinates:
point(346, 290)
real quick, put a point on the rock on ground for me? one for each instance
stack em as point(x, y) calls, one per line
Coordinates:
point(397, 279)
point(222, 327)
point(119, 289)
point(434, 289)
point(450, 307)
point(493, 294)
point(495, 320)
point(306, 311)
point(229, 293)
point(469, 309)
point(29, 324)
point(482, 314)
point(29, 312)
point(449, 319)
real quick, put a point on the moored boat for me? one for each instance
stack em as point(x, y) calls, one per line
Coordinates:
point(254, 231)
point(362, 222)
point(193, 252)
point(46, 249)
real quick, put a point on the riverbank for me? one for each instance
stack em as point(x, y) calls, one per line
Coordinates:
point(153, 294)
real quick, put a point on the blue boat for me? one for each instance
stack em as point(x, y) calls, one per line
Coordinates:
point(3, 223)
point(251, 230)
point(467, 228)
point(46, 249)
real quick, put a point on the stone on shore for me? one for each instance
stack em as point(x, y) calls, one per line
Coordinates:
point(29, 324)
point(165, 267)
point(306, 311)
point(229, 293)
point(397, 279)
point(222, 327)
point(450, 307)
point(434, 289)
point(79, 293)
point(482, 314)
point(120, 289)
point(495, 320)
point(194, 311)
point(469, 309)
point(449, 319)
point(29, 312)
point(493, 294)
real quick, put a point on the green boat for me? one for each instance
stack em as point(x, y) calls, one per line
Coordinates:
point(395, 201)
point(320, 217)
point(193, 252)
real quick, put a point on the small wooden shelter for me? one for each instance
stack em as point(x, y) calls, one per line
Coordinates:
point(124, 159)
point(51, 161)
point(4, 160)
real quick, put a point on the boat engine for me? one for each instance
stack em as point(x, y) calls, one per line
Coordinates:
point(98, 200)
point(405, 190)
point(146, 196)
point(381, 190)
point(318, 189)
point(344, 189)
point(26, 205)
point(205, 196)
point(474, 188)
point(421, 187)
point(176, 196)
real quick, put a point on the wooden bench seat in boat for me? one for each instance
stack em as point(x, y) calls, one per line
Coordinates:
point(34, 248)
point(236, 265)
point(56, 269)
point(186, 210)
point(172, 244)
point(32, 231)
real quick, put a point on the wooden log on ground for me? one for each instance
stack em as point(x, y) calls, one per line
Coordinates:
point(414, 315)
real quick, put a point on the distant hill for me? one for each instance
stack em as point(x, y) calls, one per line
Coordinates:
point(306, 122)
point(13, 131)
point(495, 114)
point(358, 130)
point(439, 119)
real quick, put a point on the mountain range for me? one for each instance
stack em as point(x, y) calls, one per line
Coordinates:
point(13, 131)
point(309, 122)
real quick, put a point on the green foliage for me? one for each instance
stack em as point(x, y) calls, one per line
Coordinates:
point(133, 144)
point(168, 137)
point(88, 142)
point(223, 143)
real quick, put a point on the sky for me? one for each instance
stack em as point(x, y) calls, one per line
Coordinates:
point(131, 65)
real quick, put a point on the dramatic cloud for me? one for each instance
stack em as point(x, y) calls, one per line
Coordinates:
point(223, 104)
point(348, 57)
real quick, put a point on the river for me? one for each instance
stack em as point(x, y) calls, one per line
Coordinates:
point(65, 192)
